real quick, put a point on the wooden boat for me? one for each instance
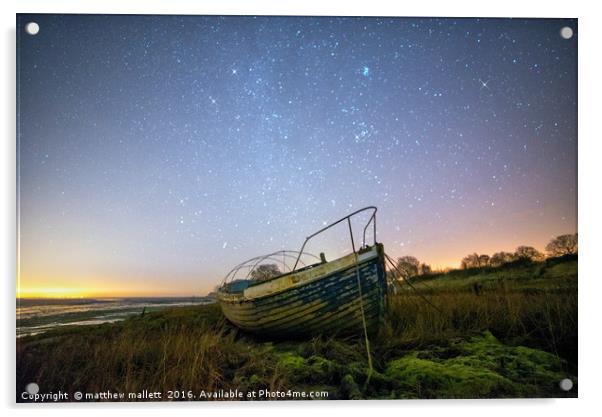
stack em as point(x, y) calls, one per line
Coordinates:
point(345, 295)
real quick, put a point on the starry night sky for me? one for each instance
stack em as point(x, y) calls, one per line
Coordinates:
point(155, 152)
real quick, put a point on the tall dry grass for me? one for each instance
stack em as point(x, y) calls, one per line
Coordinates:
point(543, 320)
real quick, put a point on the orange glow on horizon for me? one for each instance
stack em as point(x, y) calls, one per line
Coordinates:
point(47, 288)
point(62, 292)
point(50, 292)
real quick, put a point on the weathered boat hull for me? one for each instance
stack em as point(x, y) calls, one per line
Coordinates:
point(324, 299)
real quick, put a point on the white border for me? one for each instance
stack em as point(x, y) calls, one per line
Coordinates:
point(589, 203)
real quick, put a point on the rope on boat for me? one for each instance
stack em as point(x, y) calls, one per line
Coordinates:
point(392, 263)
point(359, 288)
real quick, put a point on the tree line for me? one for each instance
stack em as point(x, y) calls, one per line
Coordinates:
point(409, 266)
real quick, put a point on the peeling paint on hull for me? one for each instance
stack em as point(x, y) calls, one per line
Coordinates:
point(323, 301)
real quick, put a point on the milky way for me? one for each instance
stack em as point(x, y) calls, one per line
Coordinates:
point(157, 151)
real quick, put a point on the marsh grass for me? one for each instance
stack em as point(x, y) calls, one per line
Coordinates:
point(513, 336)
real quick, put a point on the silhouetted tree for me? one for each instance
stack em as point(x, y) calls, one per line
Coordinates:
point(265, 272)
point(563, 245)
point(408, 266)
point(474, 260)
point(501, 258)
point(470, 261)
point(483, 260)
point(528, 252)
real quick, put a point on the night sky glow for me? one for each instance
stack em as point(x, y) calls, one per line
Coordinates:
point(156, 152)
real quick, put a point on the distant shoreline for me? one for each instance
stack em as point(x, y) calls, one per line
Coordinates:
point(37, 315)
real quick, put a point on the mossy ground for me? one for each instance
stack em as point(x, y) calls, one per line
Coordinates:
point(515, 337)
point(481, 367)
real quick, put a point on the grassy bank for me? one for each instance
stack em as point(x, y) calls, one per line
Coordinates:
point(504, 332)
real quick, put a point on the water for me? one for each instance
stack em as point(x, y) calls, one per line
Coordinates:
point(36, 316)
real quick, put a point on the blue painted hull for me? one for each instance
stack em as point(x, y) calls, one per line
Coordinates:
point(329, 302)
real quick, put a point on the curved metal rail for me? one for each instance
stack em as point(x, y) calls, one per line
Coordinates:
point(279, 257)
point(348, 218)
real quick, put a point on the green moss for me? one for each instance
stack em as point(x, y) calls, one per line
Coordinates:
point(291, 362)
point(482, 368)
point(314, 369)
point(322, 368)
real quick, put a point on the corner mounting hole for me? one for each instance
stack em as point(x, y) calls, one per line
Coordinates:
point(566, 32)
point(32, 28)
point(32, 388)
point(566, 384)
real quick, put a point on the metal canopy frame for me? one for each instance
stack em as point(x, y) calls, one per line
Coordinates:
point(280, 257)
point(348, 218)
